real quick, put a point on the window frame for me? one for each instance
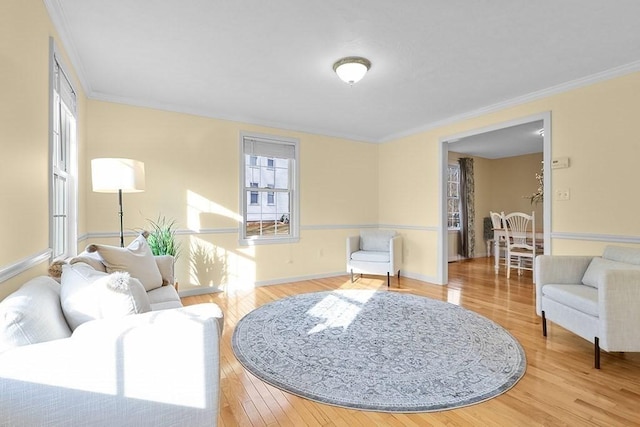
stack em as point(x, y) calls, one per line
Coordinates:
point(293, 191)
point(63, 160)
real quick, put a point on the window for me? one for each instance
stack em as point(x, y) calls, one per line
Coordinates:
point(453, 197)
point(63, 155)
point(254, 194)
point(269, 196)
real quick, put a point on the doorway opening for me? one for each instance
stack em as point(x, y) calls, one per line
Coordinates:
point(529, 137)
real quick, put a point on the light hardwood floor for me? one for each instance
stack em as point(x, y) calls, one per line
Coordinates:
point(560, 386)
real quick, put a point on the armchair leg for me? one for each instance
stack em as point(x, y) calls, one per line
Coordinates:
point(596, 348)
point(544, 325)
point(351, 275)
point(388, 280)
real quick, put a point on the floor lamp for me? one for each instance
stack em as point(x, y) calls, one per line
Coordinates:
point(114, 175)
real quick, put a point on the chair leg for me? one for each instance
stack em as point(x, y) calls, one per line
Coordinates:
point(544, 325)
point(351, 275)
point(388, 280)
point(596, 349)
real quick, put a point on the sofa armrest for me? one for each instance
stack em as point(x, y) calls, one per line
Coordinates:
point(619, 309)
point(558, 269)
point(156, 368)
point(166, 266)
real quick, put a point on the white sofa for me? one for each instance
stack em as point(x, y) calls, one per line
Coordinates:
point(597, 298)
point(375, 252)
point(149, 363)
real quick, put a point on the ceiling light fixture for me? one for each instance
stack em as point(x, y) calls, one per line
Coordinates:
point(351, 69)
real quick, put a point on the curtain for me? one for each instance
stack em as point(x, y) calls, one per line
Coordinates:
point(467, 208)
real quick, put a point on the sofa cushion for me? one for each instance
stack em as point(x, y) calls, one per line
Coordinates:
point(136, 259)
point(164, 297)
point(32, 314)
point(370, 256)
point(91, 258)
point(580, 297)
point(375, 240)
point(595, 271)
point(87, 294)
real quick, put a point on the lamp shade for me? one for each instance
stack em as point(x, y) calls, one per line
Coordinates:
point(108, 175)
point(352, 69)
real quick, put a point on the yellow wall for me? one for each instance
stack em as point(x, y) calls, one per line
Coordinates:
point(192, 175)
point(512, 179)
point(595, 126)
point(344, 184)
point(24, 135)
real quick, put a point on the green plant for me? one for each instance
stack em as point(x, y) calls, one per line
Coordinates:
point(162, 237)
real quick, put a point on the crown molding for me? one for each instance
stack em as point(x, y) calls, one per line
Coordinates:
point(609, 74)
point(59, 21)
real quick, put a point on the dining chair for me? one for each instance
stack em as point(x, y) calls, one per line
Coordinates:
point(500, 247)
point(521, 242)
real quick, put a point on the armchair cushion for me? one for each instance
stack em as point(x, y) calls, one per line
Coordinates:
point(622, 254)
point(582, 298)
point(375, 240)
point(594, 275)
point(370, 256)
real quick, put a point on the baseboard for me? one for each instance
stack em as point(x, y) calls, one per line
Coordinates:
point(211, 290)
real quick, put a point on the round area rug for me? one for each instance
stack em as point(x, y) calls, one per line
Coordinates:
point(379, 351)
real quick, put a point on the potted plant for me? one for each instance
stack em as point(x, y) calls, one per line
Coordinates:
point(162, 237)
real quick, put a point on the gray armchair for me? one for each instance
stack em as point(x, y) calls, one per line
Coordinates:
point(597, 298)
point(375, 252)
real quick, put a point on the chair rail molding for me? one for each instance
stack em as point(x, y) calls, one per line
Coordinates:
point(20, 266)
point(594, 237)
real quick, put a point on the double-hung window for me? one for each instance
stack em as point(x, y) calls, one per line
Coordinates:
point(63, 155)
point(453, 197)
point(269, 189)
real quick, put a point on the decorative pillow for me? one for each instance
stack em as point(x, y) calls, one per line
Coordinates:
point(92, 258)
point(375, 240)
point(136, 259)
point(593, 276)
point(32, 314)
point(87, 294)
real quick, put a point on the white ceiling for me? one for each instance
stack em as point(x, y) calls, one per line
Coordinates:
point(506, 142)
point(270, 62)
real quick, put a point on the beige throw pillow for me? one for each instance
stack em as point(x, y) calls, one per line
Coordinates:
point(136, 259)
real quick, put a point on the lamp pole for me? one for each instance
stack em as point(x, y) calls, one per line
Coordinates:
point(121, 228)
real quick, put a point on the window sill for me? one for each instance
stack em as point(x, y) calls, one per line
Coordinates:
point(268, 241)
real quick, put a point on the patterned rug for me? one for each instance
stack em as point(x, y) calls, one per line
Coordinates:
point(379, 351)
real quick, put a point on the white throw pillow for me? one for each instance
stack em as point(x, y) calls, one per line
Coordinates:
point(87, 294)
point(32, 314)
point(595, 271)
point(136, 259)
